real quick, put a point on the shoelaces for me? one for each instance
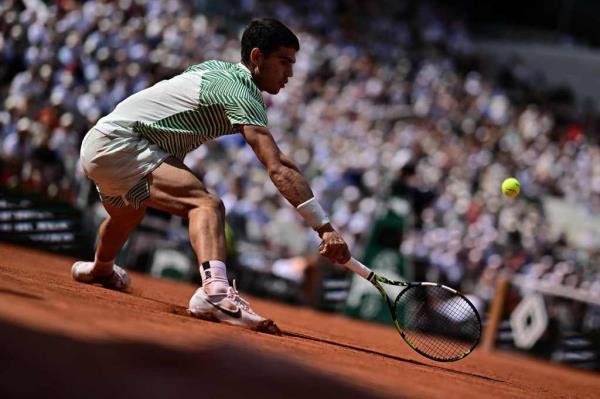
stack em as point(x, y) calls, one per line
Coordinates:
point(234, 295)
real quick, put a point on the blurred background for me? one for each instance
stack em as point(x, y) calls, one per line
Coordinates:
point(405, 116)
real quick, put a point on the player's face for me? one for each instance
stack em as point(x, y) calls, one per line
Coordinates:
point(273, 72)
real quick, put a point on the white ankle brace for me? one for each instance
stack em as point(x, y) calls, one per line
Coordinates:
point(214, 272)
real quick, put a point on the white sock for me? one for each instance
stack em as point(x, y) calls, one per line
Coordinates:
point(214, 277)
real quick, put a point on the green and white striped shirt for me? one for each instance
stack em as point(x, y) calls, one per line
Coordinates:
point(206, 101)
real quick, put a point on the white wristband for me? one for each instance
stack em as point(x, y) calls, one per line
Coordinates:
point(312, 212)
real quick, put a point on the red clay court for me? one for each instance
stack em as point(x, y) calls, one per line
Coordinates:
point(65, 339)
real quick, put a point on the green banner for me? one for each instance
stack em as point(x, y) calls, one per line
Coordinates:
point(383, 256)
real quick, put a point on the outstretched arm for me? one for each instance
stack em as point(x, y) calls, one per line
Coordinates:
point(293, 186)
point(283, 172)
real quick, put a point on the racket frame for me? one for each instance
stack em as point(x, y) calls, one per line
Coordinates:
point(378, 280)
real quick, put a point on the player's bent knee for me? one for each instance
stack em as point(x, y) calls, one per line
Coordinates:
point(210, 202)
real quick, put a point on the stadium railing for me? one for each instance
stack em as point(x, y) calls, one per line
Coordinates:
point(545, 319)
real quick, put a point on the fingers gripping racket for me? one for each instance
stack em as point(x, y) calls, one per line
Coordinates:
point(436, 321)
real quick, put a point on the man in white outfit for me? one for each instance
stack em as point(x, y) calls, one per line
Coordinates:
point(135, 157)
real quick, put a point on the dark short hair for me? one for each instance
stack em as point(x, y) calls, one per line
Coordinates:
point(268, 35)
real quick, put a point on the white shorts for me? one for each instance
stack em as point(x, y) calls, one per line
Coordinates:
point(118, 163)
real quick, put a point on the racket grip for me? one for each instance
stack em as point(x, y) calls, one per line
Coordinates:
point(358, 268)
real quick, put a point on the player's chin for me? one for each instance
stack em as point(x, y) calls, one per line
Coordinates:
point(274, 90)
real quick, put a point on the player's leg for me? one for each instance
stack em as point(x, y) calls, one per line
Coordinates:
point(175, 189)
point(112, 235)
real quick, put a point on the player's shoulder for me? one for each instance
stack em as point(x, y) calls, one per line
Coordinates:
point(216, 69)
point(211, 65)
point(226, 78)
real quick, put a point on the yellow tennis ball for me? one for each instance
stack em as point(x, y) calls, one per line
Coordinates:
point(511, 187)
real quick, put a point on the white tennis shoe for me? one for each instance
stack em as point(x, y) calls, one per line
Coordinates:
point(229, 308)
point(119, 279)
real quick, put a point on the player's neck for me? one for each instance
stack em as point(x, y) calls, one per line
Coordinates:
point(252, 73)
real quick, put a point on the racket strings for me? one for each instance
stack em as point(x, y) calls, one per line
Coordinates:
point(437, 322)
point(432, 340)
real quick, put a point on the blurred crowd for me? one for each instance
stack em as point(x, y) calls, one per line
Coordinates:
point(388, 102)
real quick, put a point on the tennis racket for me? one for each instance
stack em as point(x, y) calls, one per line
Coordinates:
point(436, 321)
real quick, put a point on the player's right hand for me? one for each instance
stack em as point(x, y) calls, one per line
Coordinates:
point(333, 246)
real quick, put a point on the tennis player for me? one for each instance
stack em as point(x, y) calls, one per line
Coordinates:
point(135, 156)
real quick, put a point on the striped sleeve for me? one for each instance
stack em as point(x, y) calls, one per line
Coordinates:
point(245, 111)
point(241, 104)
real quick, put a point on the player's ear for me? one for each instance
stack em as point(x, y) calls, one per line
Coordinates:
point(256, 56)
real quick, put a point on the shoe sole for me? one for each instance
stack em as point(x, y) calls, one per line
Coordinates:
point(108, 286)
point(204, 316)
point(267, 326)
point(104, 282)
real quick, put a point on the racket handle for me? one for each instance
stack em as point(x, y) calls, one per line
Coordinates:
point(358, 268)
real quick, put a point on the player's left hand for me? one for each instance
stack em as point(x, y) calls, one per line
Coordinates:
point(333, 246)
